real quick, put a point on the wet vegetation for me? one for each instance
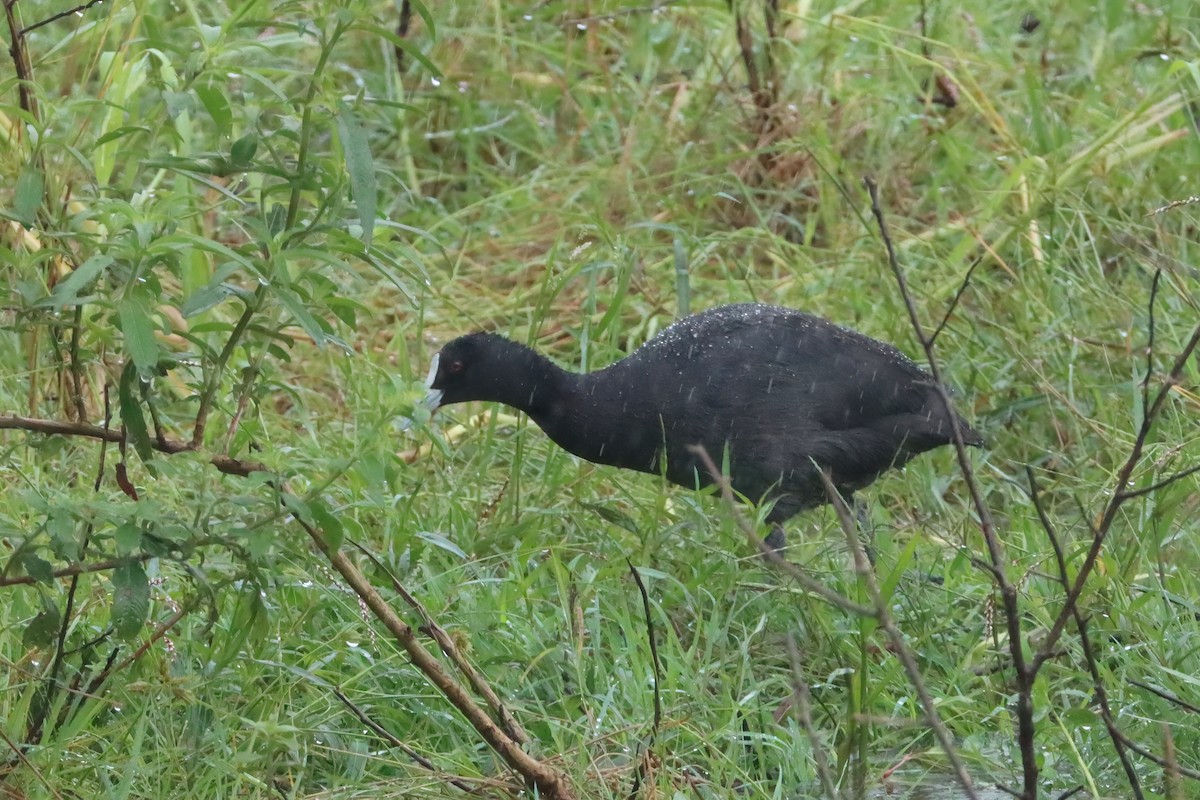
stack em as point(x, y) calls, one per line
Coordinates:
point(240, 560)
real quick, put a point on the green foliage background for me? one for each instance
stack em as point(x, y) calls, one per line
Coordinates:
point(270, 214)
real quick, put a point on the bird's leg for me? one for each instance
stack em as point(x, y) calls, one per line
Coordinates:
point(866, 531)
point(776, 540)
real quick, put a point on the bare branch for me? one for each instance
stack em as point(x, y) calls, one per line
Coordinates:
point(1116, 499)
point(962, 289)
point(1098, 687)
point(21, 61)
point(1165, 763)
point(1168, 696)
point(1165, 482)
point(79, 9)
point(75, 569)
point(637, 577)
point(639, 772)
point(1008, 592)
point(1150, 339)
point(225, 464)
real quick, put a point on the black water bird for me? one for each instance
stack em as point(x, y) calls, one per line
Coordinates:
point(774, 390)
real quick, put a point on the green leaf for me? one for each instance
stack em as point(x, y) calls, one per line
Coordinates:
point(243, 150)
point(37, 568)
point(403, 44)
point(206, 298)
point(128, 538)
point(42, 630)
point(345, 310)
point(188, 242)
point(64, 540)
point(438, 540)
point(328, 523)
point(120, 132)
point(139, 335)
point(277, 219)
point(291, 301)
point(356, 149)
point(297, 506)
point(613, 515)
point(67, 291)
point(249, 619)
point(216, 105)
point(129, 401)
point(131, 599)
point(27, 196)
point(423, 12)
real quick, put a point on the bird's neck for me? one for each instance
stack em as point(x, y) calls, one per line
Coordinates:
point(533, 383)
point(599, 423)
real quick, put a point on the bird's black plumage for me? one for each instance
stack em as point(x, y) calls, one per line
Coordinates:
point(777, 390)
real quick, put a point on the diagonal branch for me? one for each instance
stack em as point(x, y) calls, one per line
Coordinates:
point(549, 782)
point(431, 628)
point(1116, 499)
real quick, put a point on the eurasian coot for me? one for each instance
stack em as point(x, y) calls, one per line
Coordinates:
point(778, 390)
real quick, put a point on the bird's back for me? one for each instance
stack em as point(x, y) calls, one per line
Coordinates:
point(778, 390)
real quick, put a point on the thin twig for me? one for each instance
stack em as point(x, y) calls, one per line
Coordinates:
point(896, 638)
point(637, 578)
point(1069, 793)
point(75, 569)
point(76, 366)
point(1165, 763)
point(745, 40)
point(44, 698)
point(1154, 487)
point(1150, 338)
point(394, 741)
point(1098, 687)
point(639, 772)
point(162, 630)
point(19, 752)
point(548, 781)
point(21, 62)
point(1173, 784)
point(1116, 499)
point(962, 288)
point(1168, 696)
point(218, 369)
point(1008, 592)
point(56, 17)
point(1101, 694)
point(802, 702)
point(402, 27)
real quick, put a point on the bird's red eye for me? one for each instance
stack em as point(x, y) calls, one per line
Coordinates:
point(455, 367)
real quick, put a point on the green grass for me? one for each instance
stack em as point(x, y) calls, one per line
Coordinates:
point(547, 185)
